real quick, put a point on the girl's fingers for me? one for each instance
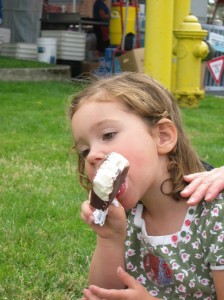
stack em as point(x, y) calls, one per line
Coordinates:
point(190, 177)
point(88, 219)
point(191, 188)
point(127, 279)
point(198, 195)
point(86, 212)
point(214, 189)
point(204, 185)
point(89, 295)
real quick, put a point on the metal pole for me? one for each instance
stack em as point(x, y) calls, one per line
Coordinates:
point(158, 40)
point(181, 9)
point(125, 25)
point(74, 6)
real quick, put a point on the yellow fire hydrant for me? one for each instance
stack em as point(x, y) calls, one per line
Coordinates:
point(190, 49)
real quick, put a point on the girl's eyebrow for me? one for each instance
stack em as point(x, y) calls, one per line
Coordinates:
point(102, 122)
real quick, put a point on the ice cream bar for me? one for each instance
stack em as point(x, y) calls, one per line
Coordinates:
point(108, 180)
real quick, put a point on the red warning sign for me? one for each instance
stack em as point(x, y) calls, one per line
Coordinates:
point(216, 66)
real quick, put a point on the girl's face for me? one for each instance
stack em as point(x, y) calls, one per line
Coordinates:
point(103, 127)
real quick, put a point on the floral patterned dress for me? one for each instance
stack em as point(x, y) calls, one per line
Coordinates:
point(178, 266)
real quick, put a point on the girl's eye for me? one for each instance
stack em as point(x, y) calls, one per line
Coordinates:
point(108, 136)
point(84, 153)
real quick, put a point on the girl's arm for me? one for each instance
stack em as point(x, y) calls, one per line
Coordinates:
point(204, 185)
point(133, 291)
point(108, 255)
point(218, 277)
point(109, 252)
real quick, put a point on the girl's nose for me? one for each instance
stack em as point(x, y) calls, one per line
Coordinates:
point(95, 157)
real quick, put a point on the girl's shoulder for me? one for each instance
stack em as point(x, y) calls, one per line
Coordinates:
point(218, 202)
point(208, 213)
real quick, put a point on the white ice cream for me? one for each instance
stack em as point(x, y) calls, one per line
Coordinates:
point(104, 180)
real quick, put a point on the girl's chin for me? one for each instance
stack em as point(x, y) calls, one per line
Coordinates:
point(126, 205)
point(125, 202)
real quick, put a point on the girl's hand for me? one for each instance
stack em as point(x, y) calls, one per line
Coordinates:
point(204, 185)
point(115, 224)
point(134, 290)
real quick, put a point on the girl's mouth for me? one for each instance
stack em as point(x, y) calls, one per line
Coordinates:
point(122, 189)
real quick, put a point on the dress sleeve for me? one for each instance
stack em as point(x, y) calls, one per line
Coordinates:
point(212, 230)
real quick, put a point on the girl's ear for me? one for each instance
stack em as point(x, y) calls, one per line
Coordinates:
point(167, 136)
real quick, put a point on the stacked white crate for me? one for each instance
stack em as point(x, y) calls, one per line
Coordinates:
point(24, 51)
point(70, 44)
point(5, 35)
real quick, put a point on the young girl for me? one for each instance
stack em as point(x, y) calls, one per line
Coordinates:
point(170, 250)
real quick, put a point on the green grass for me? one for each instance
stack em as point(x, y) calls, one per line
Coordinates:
point(9, 62)
point(206, 129)
point(45, 247)
point(43, 253)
